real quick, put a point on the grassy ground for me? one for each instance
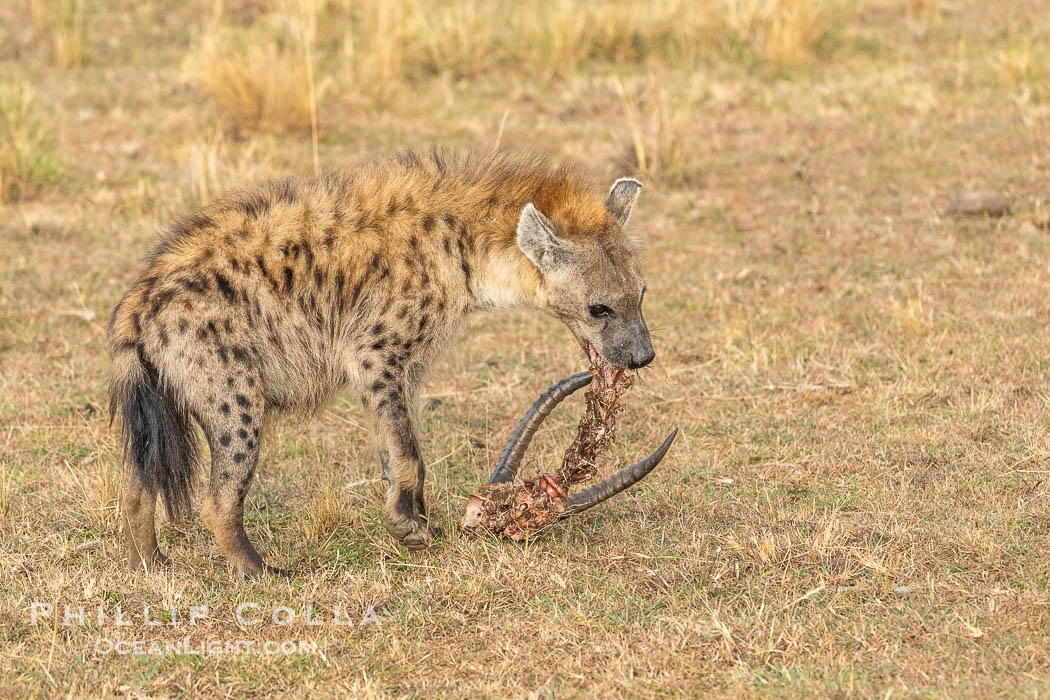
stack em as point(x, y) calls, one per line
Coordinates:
point(858, 504)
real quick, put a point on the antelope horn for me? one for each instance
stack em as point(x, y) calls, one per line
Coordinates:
point(510, 460)
point(618, 482)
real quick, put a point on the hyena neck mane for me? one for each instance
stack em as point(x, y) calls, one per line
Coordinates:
point(489, 193)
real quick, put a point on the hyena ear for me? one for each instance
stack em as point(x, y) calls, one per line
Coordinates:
point(621, 199)
point(539, 240)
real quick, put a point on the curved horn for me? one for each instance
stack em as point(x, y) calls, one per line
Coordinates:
point(618, 482)
point(519, 441)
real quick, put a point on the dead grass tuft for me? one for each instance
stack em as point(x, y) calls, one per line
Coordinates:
point(324, 515)
point(798, 30)
point(259, 87)
point(27, 158)
point(921, 10)
point(68, 32)
point(103, 495)
point(261, 76)
point(216, 164)
point(63, 22)
point(1025, 67)
point(378, 46)
point(562, 35)
point(659, 129)
point(459, 37)
point(910, 311)
point(6, 487)
point(785, 35)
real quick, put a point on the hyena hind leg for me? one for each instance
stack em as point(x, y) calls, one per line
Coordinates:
point(233, 430)
point(138, 511)
point(403, 470)
point(384, 464)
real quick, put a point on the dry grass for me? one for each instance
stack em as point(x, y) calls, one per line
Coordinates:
point(323, 516)
point(262, 80)
point(660, 132)
point(216, 164)
point(262, 88)
point(796, 32)
point(1025, 68)
point(375, 52)
point(390, 46)
point(27, 159)
point(6, 486)
point(68, 33)
point(61, 22)
point(857, 505)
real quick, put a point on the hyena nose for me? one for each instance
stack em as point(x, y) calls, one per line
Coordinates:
point(641, 360)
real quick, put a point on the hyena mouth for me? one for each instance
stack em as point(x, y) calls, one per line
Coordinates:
point(600, 367)
point(513, 511)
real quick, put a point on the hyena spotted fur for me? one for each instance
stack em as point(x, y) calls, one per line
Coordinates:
point(275, 297)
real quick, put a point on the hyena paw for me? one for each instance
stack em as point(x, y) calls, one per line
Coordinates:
point(411, 532)
point(255, 572)
point(150, 562)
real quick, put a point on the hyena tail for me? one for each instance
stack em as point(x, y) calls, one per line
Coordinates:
point(160, 441)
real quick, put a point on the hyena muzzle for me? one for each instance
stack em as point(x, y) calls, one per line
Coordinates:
point(275, 297)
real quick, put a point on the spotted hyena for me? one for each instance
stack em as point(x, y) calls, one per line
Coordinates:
point(275, 297)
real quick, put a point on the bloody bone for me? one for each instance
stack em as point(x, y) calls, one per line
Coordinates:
point(514, 511)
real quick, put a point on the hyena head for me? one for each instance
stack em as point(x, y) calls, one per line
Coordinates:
point(594, 283)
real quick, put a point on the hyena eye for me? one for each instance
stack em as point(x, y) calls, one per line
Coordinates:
point(599, 310)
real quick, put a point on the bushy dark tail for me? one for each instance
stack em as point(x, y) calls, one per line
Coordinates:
point(160, 441)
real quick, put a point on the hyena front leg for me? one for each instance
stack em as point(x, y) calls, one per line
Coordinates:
point(234, 431)
point(403, 467)
point(384, 464)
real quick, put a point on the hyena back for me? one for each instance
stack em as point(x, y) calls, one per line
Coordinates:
point(275, 297)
